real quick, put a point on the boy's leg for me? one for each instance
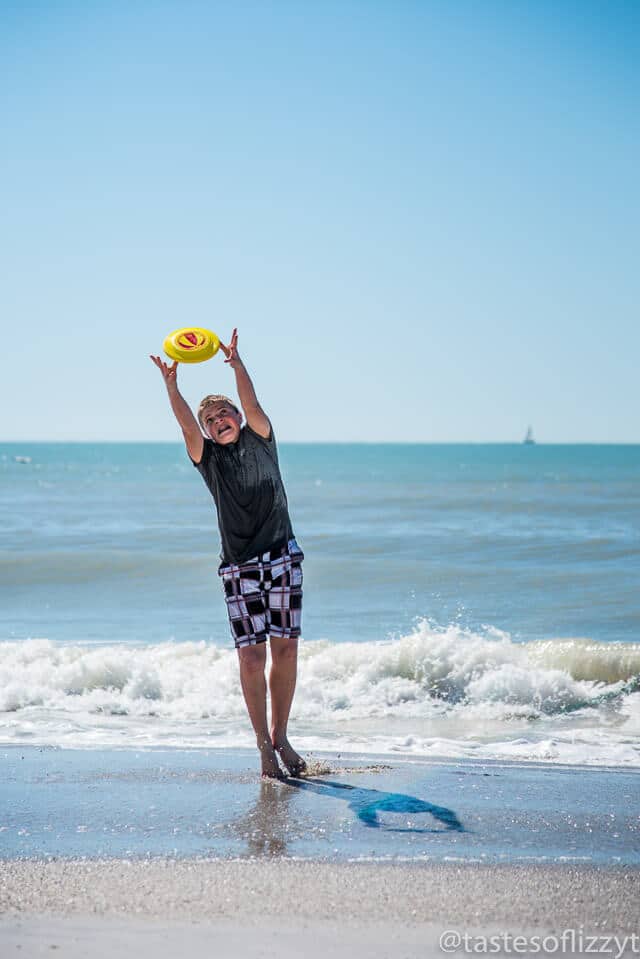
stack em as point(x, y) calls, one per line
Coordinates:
point(282, 684)
point(252, 661)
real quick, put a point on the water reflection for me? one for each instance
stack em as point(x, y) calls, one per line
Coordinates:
point(267, 827)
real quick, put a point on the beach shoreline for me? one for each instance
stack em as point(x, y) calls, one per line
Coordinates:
point(162, 851)
point(211, 804)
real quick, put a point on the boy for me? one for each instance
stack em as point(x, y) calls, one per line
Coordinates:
point(261, 562)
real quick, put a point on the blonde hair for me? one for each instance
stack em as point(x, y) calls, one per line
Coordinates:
point(210, 401)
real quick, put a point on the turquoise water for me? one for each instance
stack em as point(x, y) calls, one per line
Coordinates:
point(117, 543)
point(467, 601)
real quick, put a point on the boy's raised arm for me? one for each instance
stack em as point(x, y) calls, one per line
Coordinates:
point(182, 411)
point(255, 416)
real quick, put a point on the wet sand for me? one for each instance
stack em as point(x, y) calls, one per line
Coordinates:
point(124, 804)
point(160, 853)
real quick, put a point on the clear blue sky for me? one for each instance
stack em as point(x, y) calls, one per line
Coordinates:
point(422, 216)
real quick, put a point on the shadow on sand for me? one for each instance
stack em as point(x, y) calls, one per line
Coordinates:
point(367, 804)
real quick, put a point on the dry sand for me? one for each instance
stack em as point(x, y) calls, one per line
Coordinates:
point(165, 908)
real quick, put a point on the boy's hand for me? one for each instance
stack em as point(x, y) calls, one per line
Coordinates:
point(169, 373)
point(231, 351)
point(254, 414)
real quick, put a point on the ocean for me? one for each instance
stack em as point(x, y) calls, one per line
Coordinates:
point(474, 601)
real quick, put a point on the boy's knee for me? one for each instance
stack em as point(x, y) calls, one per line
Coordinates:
point(253, 658)
point(283, 650)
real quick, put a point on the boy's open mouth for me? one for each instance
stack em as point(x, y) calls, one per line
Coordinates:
point(224, 429)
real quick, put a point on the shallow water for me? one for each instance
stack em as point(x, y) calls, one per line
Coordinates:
point(212, 804)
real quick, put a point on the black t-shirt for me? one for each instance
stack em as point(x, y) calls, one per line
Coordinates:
point(245, 482)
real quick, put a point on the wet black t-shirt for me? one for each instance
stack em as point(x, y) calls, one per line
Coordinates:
point(245, 482)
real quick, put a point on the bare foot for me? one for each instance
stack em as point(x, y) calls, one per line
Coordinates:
point(294, 763)
point(269, 762)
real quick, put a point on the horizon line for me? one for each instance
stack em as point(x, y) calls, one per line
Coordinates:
point(281, 442)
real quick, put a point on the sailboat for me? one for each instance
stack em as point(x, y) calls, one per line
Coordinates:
point(529, 440)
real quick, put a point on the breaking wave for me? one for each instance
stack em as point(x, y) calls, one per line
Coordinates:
point(435, 691)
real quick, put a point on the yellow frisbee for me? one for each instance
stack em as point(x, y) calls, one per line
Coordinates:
point(192, 344)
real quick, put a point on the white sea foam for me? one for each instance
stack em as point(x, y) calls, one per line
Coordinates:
point(586, 659)
point(434, 692)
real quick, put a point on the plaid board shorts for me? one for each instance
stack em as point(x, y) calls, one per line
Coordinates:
point(264, 595)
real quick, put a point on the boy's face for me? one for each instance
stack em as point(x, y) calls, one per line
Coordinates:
point(222, 423)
